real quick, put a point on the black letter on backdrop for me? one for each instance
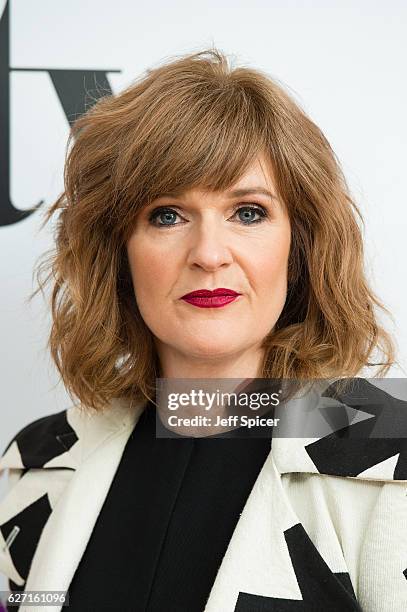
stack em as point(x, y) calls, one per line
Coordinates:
point(72, 88)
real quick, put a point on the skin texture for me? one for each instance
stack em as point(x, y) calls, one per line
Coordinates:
point(205, 244)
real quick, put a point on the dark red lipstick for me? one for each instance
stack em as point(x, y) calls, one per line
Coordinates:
point(205, 298)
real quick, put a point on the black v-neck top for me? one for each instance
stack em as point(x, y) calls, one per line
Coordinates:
point(166, 522)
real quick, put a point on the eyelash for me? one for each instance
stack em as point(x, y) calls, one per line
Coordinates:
point(163, 209)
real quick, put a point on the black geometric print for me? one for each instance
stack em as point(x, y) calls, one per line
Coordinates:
point(44, 439)
point(31, 522)
point(321, 589)
point(355, 448)
point(12, 586)
point(15, 587)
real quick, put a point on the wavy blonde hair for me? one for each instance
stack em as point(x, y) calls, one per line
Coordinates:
point(196, 121)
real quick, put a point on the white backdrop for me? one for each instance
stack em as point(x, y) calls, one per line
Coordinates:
point(344, 61)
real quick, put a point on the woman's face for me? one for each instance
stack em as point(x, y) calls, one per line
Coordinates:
point(238, 240)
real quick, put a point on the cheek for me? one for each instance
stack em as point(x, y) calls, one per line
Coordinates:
point(270, 261)
point(150, 270)
point(269, 274)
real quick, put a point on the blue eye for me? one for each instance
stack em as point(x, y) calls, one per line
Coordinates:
point(249, 212)
point(163, 213)
point(168, 215)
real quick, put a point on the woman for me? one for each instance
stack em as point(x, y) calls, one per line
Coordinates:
point(200, 177)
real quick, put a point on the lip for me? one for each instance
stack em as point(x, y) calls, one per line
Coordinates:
point(206, 298)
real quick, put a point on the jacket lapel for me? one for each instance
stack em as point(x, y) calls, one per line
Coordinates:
point(271, 562)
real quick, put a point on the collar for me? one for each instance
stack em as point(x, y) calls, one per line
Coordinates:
point(364, 434)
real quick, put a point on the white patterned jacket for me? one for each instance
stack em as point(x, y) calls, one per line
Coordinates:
point(324, 527)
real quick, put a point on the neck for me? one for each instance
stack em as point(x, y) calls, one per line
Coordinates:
point(174, 364)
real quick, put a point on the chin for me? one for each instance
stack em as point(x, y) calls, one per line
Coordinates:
point(214, 349)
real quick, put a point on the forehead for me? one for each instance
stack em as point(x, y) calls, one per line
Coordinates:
point(257, 179)
point(258, 174)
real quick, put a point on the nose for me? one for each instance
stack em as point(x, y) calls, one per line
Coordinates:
point(208, 249)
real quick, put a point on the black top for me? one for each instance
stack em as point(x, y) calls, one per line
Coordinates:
point(166, 522)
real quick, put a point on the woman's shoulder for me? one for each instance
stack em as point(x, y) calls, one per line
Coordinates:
point(31, 492)
point(365, 434)
point(37, 442)
point(63, 438)
point(41, 459)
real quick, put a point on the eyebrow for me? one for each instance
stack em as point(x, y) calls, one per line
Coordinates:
point(238, 193)
point(235, 193)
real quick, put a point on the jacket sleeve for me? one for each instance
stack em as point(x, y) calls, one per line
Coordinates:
point(35, 465)
point(10, 477)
